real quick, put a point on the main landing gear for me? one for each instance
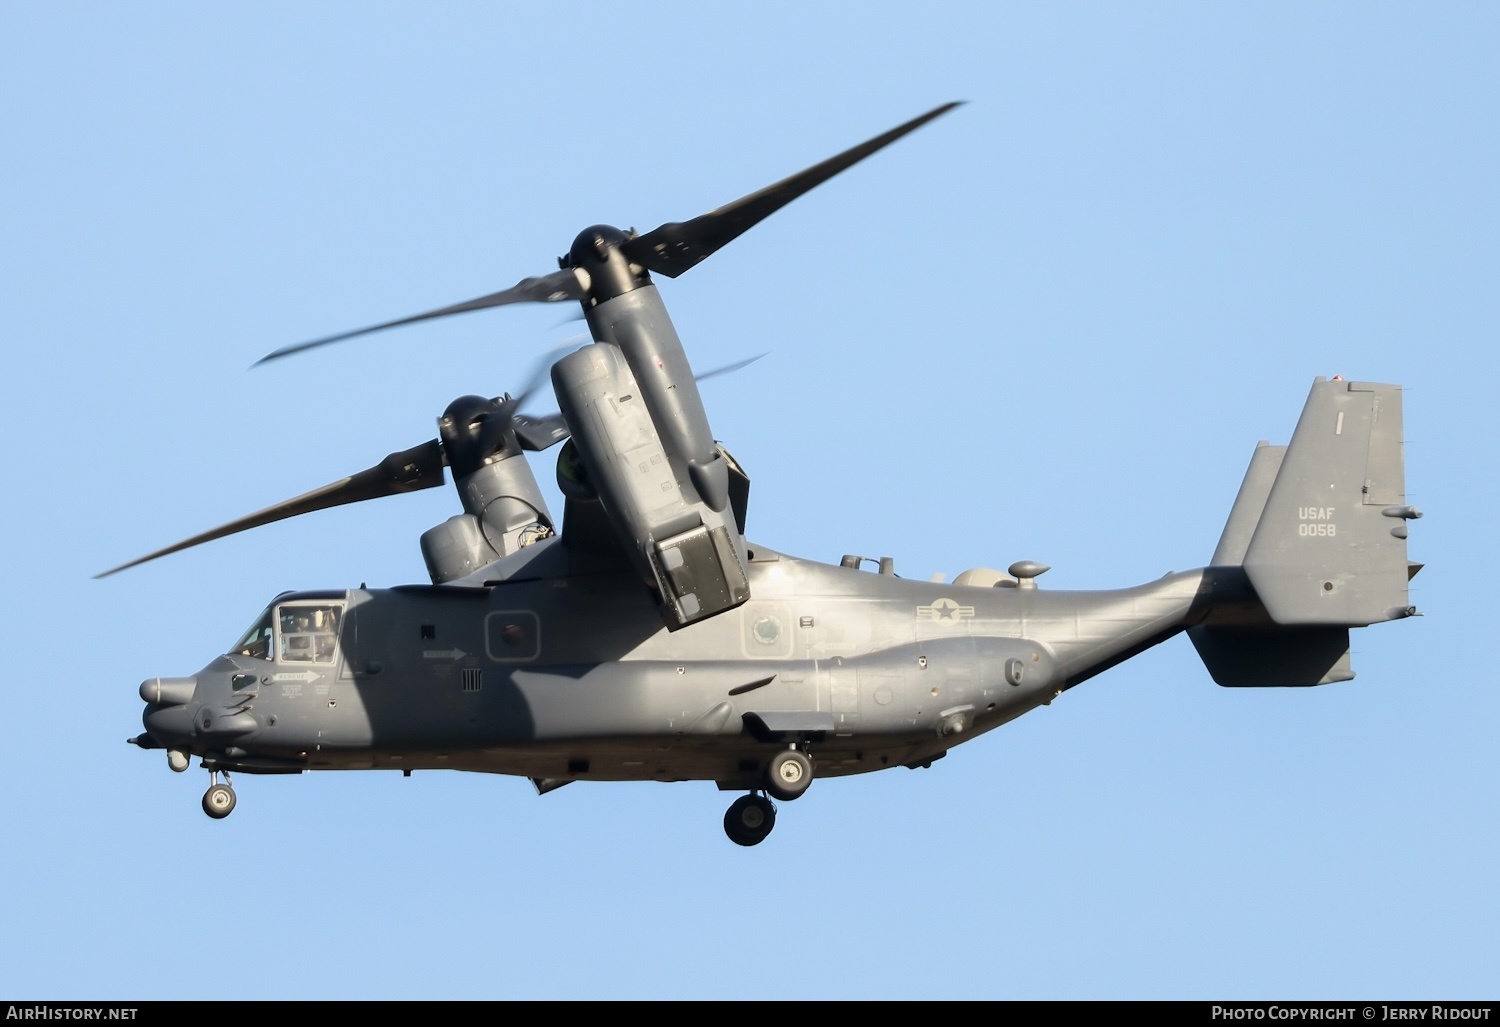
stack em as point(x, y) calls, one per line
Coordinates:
point(218, 801)
point(789, 774)
point(750, 817)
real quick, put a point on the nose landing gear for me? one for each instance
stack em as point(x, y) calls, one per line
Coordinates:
point(219, 800)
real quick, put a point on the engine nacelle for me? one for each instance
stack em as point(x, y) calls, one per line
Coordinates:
point(666, 492)
point(503, 512)
point(503, 505)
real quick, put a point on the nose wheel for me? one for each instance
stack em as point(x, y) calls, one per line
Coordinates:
point(750, 819)
point(218, 801)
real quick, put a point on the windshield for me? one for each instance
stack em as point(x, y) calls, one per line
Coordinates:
point(309, 633)
point(257, 641)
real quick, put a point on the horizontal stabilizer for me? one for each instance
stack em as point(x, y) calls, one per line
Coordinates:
point(1253, 656)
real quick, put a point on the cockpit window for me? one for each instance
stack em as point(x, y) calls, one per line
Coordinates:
point(309, 634)
point(257, 641)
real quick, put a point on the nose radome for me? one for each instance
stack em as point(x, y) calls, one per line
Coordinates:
point(168, 691)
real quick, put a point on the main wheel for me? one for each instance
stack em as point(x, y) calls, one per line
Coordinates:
point(789, 774)
point(218, 801)
point(749, 819)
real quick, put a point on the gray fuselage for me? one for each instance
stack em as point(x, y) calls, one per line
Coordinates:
point(573, 676)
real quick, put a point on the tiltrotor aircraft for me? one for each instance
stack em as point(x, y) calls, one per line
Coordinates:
point(646, 638)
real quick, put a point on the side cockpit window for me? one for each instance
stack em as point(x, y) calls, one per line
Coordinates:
point(309, 633)
point(257, 641)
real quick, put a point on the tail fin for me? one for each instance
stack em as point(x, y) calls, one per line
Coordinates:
point(1248, 505)
point(1319, 527)
point(1330, 545)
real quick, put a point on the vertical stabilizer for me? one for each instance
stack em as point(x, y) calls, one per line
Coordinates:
point(1249, 505)
point(1330, 545)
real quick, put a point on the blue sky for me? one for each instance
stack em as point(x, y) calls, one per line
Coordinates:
point(1051, 325)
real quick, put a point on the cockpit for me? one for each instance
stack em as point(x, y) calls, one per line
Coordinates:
point(298, 629)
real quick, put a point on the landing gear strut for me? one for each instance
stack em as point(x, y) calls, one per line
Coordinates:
point(218, 801)
point(750, 819)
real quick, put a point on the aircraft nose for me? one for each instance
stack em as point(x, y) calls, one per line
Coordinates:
point(168, 719)
point(172, 726)
point(168, 691)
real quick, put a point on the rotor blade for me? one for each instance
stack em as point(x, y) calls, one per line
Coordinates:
point(410, 470)
point(727, 368)
point(541, 372)
point(676, 246)
point(551, 288)
point(537, 433)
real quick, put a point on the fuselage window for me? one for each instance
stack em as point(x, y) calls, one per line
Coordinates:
point(257, 641)
point(309, 634)
point(512, 636)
